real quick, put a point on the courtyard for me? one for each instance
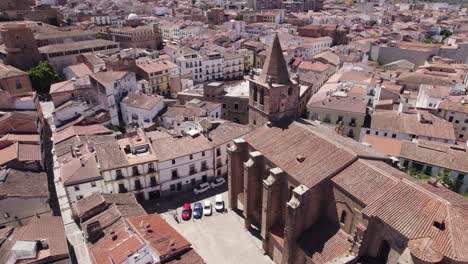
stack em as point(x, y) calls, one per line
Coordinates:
point(219, 238)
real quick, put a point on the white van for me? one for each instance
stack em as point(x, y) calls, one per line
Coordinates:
point(219, 205)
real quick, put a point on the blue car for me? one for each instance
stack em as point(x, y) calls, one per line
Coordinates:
point(197, 210)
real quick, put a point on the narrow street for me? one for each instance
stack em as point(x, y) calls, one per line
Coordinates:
point(77, 243)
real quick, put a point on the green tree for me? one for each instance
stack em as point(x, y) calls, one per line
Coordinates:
point(446, 33)
point(446, 181)
point(239, 17)
point(42, 76)
point(53, 21)
point(100, 35)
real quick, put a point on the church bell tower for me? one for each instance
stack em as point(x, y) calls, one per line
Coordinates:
point(273, 96)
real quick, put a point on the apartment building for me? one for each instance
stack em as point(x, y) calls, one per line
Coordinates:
point(158, 74)
point(213, 63)
point(112, 87)
point(191, 63)
point(455, 112)
point(149, 165)
point(233, 66)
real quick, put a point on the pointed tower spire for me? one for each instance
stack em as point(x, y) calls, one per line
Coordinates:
point(275, 67)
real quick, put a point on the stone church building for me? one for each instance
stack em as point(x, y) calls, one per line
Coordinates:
point(317, 197)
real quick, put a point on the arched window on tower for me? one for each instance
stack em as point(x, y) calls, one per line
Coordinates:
point(255, 95)
point(343, 217)
point(262, 95)
point(290, 91)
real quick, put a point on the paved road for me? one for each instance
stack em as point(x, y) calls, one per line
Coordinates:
point(220, 238)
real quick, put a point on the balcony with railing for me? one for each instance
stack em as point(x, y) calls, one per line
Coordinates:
point(192, 171)
point(258, 106)
point(138, 185)
point(122, 189)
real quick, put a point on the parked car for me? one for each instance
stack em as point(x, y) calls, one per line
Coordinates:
point(219, 204)
point(186, 212)
point(217, 182)
point(197, 210)
point(207, 210)
point(201, 188)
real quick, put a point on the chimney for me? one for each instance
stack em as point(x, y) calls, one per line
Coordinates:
point(82, 162)
point(300, 158)
point(114, 236)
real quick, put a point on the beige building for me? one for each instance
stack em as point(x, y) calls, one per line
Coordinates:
point(347, 114)
point(157, 73)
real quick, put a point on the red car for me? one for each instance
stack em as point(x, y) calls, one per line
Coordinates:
point(186, 211)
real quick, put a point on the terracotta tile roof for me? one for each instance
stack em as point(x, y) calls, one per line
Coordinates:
point(80, 69)
point(88, 203)
point(107, 219)
point(156, 66)
point(413, 211)
point(82, 82)
point(76, 45)
point(20, 122)
point(119, 206)
point(80, 170)
point(100, 252)
point(370, 185)
point(50, 228)
point(162, 238)
point(23, 184)
point(110, 155)
point(109, 77)
point(29, 152)
point(455, 105)
point(227, 131)
point(71, 131)
point(354, 76)
point(8, 71)
point(420, 78)
point(436, 154)
point(330, 57)
point(142, 101)
point(323, 243)
point(353, 103)
point(126, 203)
point(171, 148)
point(5, 248)
point(32, 138)
point(128, 246)
point(9, 153)
point(313, 66)
point(330, 153)
point(189, 257)
point(409, 123)
point(178, 112)
point(275, 66)
point(385, 145)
